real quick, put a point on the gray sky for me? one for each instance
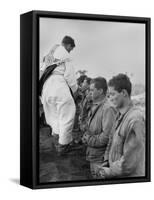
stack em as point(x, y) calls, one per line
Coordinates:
point(102, 48)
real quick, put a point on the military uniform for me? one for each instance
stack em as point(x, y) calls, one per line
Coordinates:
point(126, 149)
point(100, 122)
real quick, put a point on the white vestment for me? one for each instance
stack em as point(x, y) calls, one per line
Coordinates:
point(58, 104)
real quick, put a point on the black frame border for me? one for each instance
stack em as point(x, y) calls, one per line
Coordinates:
point(29, 156)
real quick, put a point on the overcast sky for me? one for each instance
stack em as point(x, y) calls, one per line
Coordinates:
point(102, 48)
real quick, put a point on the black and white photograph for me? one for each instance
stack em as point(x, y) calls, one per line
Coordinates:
point(76, 100)
point(92, 100)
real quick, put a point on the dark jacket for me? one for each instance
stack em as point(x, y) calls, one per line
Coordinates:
point(101, 119)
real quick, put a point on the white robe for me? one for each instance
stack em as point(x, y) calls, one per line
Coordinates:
point(58, 104)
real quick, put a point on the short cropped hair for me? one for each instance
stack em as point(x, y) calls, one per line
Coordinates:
point(81, 79)
point(68, 40)
point(121, 82)
point(88, 79)
point(100, 83)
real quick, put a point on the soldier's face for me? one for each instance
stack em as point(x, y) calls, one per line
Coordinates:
point(94, 92)
point(69, 47)
point(116, 97)
point(84, 84)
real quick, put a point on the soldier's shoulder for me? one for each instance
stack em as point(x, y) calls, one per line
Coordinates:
point(135, 114)
point(61, 53)
point(109, 106)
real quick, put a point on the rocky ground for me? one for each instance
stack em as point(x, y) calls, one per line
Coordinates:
point(54, 168)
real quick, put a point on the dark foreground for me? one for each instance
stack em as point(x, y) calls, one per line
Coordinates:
point(54, 168)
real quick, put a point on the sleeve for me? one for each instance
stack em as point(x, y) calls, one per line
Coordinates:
point(61, 54)
point(70, 76)
point(106, 155)
point(107, 124)
point(132, 152)
point(48, 59)
point(69, 73)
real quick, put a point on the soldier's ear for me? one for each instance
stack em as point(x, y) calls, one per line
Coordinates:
point(101, 91)
point(125, 93)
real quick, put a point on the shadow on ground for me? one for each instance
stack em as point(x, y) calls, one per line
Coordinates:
point(15, 180)
point(54, 168)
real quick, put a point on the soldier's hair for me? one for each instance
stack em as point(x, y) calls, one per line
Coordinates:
point(81, 79)
point(121, 82)
point(100, 83)
point(68, 40)
point(88, 79)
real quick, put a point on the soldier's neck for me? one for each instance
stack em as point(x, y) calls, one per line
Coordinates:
point(100, 99)
point(125, 107)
